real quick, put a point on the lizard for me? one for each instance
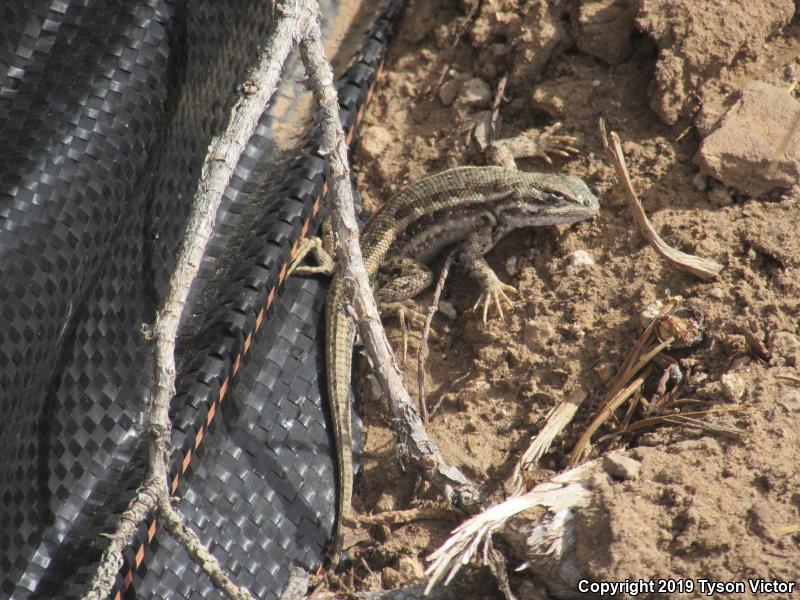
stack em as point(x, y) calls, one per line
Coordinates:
point(477, 206)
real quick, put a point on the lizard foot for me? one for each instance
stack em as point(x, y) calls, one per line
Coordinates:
point(495, 292)
point(314, 246)
point(549, 143)
point(532, 143)
point(406, 309)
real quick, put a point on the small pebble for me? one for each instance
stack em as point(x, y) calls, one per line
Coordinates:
point(650, 312)
point(785, 348)
point(620, 466)
point(410, 568)
point(449, 90)
point(391, 578)
point(720, 197)
point(791, 72)
point(512, 265)
point(700, 181)
point(716, 293)
point(791, 401)
point(732, 386)
point(740, 362)
point(447, 309)
point(580, 258)
point(475, 92)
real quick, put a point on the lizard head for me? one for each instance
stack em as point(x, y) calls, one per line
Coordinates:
point(550, 200)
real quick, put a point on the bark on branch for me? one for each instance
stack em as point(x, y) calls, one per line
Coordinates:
point(292, 23)
point(407, 420)
point(297, 21)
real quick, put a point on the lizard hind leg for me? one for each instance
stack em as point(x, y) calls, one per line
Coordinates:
point(403, 278)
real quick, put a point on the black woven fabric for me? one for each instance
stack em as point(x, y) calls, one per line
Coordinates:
point(106, 109)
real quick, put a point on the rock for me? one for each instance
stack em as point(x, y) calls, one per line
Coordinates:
point(791, 73)
point(410, 569)
point(784, 347)
point(548, 101)
point(604, 28)
point(700, 181)
point(391, 578)
point(512, 265)
point(374, 141)
point(483, 127)
point(541, 35)
point(447, 309)
point(732, 386)
point(790, 400)
point(620, 466)
point(449, 91)
point(603, 373)
point(719, 196)
point(580, 258)
point(738, 152)
point(696, 40)
point(650, 312)
point(475, 92)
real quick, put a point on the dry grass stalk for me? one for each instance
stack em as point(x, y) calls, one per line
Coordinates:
point(689, 417)
point(582, 447)
point(556, 421)
point(621, 388)
point(701, 267)
point(552, 545)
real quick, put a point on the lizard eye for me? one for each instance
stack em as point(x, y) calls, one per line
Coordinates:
point(555, 197)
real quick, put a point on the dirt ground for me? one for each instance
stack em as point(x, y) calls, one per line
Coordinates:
point(718, 500)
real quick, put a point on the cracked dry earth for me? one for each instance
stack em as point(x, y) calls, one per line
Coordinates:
point(701, 95)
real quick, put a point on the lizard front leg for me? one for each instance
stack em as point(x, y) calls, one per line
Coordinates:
point(472, 259)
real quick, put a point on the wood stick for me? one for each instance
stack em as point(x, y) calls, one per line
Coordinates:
point(423, 348)
point(221, 159)
point(407, 422)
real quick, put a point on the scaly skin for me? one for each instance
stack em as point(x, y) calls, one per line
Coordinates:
point(476, 204)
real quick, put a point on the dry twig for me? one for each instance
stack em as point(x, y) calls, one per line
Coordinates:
point(498, 99)
point(701, 267)
point(406, 420)
point(423, 348)
point(394, 517)
point(223, 155)
point(452, 55)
